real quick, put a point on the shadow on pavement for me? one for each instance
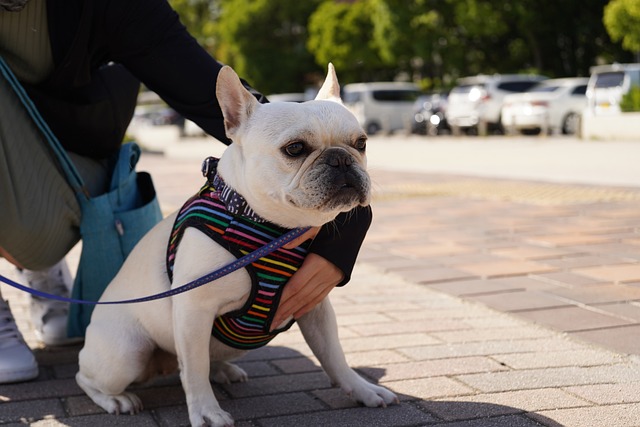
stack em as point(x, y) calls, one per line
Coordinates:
point(286, 388)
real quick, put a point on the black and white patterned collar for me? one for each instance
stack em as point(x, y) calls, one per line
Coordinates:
point(234, 202)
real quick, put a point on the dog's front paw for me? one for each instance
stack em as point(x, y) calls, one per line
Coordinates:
point(372, 395)
point(227, 373)
point(214, 418)
point(125, 403)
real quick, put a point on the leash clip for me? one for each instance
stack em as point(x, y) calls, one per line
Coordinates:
point(209, 166)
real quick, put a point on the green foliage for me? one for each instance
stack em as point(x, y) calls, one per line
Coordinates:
point(265, 41)
point(284, 45)
point(342, 33)
point(631, 100)
point(622, 20)
point(199, 17)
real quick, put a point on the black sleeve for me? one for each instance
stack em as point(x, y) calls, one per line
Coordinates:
point(148, 38)
point(340, 240)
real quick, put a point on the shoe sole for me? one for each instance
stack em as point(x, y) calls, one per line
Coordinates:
point(19, 375)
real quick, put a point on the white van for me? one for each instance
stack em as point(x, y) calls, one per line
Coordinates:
point(608, 84)
point(381, 106)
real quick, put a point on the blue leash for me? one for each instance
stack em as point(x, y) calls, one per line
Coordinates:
point(221, 272)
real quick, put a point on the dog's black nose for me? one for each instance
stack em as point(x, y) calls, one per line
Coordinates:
point(339, 158)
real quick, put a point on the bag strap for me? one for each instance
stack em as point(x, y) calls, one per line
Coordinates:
point(73, 177)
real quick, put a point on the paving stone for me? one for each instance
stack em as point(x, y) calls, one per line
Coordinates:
point(627, 309)
point(551, 377)
point(387, 341)
point(403, 327)
point(530, 252)
point(270, 406)
point(599, 294)
point(502, 421)
point(437, 368)
point(43, 390)
point(615, 415)
point(495, 334)
point(582, 357)
point(392, 416)
point(567, 279)
point(427, 388)
point(426, 250)
point(422, 274)
point(475, 287)
point(519, 300)
point(621, 339)
point(278, 384)
point(297, 365)
point(36, 409)
point(572, 319)
point(376, 357)
point(140, 420)
point(505, 268)
point(613, 273)
point(608, 394)
point(488, 348)
point(586, 260)
point(363, 318)
point(490, 405)
point(560, 240)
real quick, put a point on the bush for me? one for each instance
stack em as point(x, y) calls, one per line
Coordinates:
point(631, 100)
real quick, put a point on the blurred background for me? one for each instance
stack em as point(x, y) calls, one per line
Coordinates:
point(456, 65)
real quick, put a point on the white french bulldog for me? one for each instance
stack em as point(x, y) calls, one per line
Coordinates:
point(295, 165)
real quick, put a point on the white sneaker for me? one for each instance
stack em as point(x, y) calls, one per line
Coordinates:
point(49, 316)
point(17, 363)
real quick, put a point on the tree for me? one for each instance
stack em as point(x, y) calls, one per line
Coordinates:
point(199, 17)
point(265, 41)
point(622, 20)
point(342, 33)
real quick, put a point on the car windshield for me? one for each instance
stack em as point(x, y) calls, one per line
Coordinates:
point(394, 95)
point(611, 79)
point(544, 88)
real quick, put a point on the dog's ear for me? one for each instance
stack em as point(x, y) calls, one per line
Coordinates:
point(236, 102)
point(330, 89)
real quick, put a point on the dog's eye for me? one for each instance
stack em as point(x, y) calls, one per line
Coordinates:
point(295, 149)
point(360, 144)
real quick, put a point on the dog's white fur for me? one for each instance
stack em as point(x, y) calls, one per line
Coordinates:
point(131, 343)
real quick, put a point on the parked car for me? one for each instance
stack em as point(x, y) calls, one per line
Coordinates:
point(608, 84)
point(381, 106)
point(552, 106)
point(477, 101)
point(429, 115)
point(288, 97)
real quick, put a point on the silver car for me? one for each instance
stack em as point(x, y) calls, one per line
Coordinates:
point(475, 104)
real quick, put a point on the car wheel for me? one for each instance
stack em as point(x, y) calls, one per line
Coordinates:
point(373, 128)
point(570, 124)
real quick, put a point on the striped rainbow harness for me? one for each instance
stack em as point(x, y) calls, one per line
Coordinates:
point(248, 327)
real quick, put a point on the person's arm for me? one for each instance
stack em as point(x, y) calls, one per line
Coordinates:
point(331, 259)
point(339, 241)
point(147, 37)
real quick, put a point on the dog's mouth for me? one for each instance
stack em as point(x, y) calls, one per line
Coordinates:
point(343, 195)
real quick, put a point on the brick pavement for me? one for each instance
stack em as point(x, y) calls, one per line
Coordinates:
point(477, 310)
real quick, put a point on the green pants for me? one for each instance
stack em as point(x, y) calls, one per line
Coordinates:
point(39, 213)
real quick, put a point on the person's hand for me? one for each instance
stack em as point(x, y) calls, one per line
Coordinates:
point(307, 287)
